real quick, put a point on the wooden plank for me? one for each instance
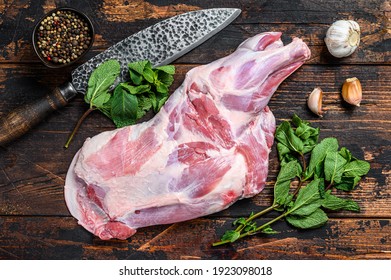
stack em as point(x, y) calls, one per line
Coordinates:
point(62, 238)
point(373, 18)
point(20, 83)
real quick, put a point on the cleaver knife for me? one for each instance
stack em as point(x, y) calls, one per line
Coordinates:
point(161, 44)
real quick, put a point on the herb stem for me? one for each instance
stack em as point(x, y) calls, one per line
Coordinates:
point(301, 179)
point(264, 211)
point(257, 230)
point(329, 186)
point(298, 187)
point(219, 243)
point(303, 161)
point(77, 126)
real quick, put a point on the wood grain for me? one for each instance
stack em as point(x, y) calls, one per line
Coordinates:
point(61, 238)
point(258, 16)
point(34, 220)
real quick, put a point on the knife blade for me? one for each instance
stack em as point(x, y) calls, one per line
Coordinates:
point(161, 44)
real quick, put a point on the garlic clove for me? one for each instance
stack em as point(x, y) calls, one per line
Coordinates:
point(315, 100)
point(352, 91)
point(343, 38)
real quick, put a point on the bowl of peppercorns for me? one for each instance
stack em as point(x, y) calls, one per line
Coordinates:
point(62, 37)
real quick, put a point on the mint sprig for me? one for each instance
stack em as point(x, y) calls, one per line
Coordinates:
point(319, 167)
point(147, 89)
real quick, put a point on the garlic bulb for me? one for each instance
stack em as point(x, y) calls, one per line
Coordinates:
point(342, 38)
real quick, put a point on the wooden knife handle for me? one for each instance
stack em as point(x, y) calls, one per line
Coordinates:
point(22, 119)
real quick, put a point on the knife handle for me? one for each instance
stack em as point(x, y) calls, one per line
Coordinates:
point(22, 119)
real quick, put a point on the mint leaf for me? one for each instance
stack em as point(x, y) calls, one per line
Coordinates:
point(269, 230)
point(160, 103)
point(144, 103)
point(136, 70)
point(136, 89)
point(102, 78)
point(335, 203)
point(314, 220)
point(356, 168)
point(286, 136)
point(319, 153)
point(284, 154)
point(153, 100)
point(161, 87)
point(247, 225)
point(282, 185)
point(347, 183)
point(230, 235)
point(308, 200)
point(319, 170)
point(308, 134)
point(161, 100)
point(97, 94)
point(149, 75)
point(151, 85)
point(136, 78)
point(169, 69)
point(250, 226)
point(138, 66)
point(346, 154)
point(157, 100)
point(165, 74)
point(239, 221)
point(123, 107)
point(334, 167)
point(321, 187)
point(304, 129)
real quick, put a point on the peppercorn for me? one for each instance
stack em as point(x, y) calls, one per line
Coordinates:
point(59, 37)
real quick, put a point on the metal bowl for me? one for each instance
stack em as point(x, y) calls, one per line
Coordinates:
point(36, 30)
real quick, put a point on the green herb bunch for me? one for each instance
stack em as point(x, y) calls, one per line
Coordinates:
point(303, 204)
point(147, 89)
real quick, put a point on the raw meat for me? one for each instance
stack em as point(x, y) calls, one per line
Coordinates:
point(206, 148)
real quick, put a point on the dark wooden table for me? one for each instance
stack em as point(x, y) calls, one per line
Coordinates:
point(34, 220)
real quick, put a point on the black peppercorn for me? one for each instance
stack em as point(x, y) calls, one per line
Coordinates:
point(63, 36)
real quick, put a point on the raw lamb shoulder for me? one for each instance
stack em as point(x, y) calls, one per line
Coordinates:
point(207, 147)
